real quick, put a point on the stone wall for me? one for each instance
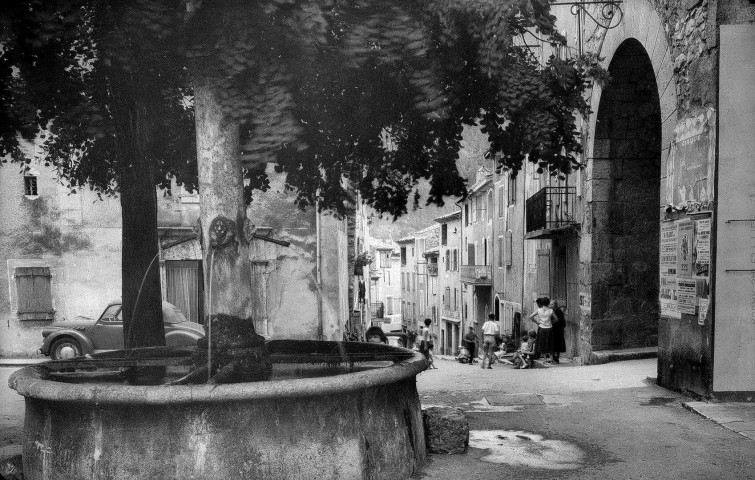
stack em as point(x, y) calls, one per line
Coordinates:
point(624, 194)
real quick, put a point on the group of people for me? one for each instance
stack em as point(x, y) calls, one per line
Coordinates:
point(491, 339)
point(548, 340)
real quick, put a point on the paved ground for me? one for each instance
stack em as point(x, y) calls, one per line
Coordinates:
point(11, 410)
point(596, 422)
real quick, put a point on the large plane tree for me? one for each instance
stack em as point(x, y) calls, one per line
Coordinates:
point(335, 93)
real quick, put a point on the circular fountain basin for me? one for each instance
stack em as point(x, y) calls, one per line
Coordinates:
point(358, 425)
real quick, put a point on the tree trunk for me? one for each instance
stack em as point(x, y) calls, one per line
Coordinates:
point(227, 267)
point(141, 292)
point(142, 295)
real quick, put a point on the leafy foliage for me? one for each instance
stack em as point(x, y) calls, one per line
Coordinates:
point(375, 94)
point(338, 93)
point(98, 77)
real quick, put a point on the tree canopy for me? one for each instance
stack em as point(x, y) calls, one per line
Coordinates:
point(372, 93)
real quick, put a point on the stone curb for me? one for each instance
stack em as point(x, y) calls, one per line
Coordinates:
point(740, 420)
point(33, 382)
point(607, 356)
point(21, 362)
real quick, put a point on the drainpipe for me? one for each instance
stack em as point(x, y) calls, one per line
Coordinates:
point(524, 253)
point(318, 271)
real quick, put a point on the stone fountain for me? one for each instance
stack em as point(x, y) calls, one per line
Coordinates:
point(341, 423)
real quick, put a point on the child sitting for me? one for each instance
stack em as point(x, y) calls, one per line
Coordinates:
point(523, 356)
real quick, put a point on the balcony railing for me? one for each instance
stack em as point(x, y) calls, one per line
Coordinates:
point(551, 208)
point(432, 269)
point(377, 310)
point(476, 274)
point(448, 312)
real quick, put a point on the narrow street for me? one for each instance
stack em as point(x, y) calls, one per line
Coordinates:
point(594, 422)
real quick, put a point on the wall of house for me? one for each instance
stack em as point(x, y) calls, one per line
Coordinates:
point(448, 276)
point(300, 305)
point(76, 236)
point(734, 342)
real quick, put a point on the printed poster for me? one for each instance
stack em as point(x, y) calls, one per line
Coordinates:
point(689, 171)
point(701, 250)
point(668, 249)
point(584, 302)
point(686, 294)
point(668, 297)
point(704, 302)
point(684, 240)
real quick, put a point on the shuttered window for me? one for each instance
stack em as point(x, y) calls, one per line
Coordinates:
point(34, 293)
point(507, 249)
point(543, 284)
point(500, 251)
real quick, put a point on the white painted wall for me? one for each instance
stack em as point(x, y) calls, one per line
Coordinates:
point(734, 340)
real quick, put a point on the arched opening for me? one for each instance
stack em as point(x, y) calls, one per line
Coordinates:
point(626, 204)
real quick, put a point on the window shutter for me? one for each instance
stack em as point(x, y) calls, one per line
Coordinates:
point(500, 251)
point(543, 281)
point(34, 293)
point(508, 249)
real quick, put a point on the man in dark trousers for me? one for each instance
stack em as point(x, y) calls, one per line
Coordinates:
point(470, 339)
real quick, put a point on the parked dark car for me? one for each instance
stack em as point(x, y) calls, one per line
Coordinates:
point(73, 338)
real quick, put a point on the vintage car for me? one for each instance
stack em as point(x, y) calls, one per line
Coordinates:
point(81, 336)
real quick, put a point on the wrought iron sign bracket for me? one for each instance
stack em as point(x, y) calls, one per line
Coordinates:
point(608, 15)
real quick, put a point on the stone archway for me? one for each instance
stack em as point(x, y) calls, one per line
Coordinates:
point(625, 193)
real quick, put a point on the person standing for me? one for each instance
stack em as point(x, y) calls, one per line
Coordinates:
point(424, 343)
point(558, 340)
point(470, 341)
point(544, 317)
point(489, 332)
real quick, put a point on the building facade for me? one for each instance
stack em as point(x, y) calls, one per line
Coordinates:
point(476, 240)
point(62, 254)
point(449, 283)
point(650, 243)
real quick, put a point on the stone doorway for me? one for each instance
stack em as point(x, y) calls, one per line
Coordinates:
point(625, 205)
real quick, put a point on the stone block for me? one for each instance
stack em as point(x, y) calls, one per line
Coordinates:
point(601, 189)
point(11, 466)
point(665, 74)
point(656, 36)
point(585, 248)
point(602, 249)
point(645, 13)
point(607, 334)
point(601, 149)
point(608, 273)
point(585, 272)
point(447, 429)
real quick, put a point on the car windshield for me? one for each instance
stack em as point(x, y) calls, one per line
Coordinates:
point(172, 315)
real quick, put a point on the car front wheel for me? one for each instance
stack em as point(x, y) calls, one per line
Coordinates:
point(65, 348)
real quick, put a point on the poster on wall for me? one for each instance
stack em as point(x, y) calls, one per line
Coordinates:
point(703, 314)
point(684, 242)
point(701, 250)
point(667, 290)
point(584, 302)
point(689, 169)
point(667, 297)
point(668, 249)
point(686, 295)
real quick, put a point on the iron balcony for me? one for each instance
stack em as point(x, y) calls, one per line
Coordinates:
point(550, 212)
point(476, 274)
